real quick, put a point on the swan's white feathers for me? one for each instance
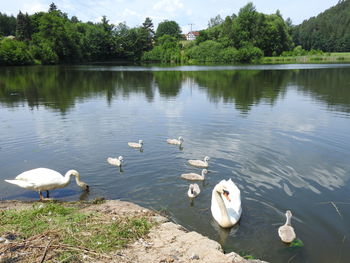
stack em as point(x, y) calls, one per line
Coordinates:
point(38, 179)
point(44, 179)
point(233, 207)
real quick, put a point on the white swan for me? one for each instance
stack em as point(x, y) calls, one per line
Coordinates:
point(178, 141)
point(226, 203)
point(286, 232)
point(43, 179)
point(194, 176)
point(193, 190)
point(115, 161)
point(135, 144)
point(200, 163)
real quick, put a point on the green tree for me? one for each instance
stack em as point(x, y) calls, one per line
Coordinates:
point(14, 52)
point(23, 27)
point(52, 7)
point(7, 25)
point(328, 31)
point(170, 28)
point(215, 21)
point(147, 27)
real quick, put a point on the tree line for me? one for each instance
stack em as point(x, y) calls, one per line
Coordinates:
point(329, 31)
point(52, 37)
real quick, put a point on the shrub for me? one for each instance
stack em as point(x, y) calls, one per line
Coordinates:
point(44, 52)
point(249, 53)
point(207, 51)
point(229, 54)
point(13, 52)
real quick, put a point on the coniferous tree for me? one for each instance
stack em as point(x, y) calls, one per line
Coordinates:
point(23, 27)
point(7, 25)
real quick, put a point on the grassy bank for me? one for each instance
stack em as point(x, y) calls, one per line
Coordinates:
point(327, 57)
point(72, 235)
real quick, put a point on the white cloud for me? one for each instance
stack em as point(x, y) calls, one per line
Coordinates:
point(169, 6)
point(182, 12)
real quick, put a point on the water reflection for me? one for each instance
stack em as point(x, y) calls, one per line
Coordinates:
point(59, 88)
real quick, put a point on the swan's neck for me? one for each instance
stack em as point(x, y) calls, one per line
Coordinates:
point(67, 177)
point(203, 174)
point(225, 220)
point(288, 220)
point(74, 173)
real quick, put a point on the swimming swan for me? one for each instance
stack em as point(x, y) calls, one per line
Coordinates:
point(193, 190)
point(178, 141)
point(194, 176)
point(43, 179)
point(115, 161)
point(200, 163)
point(226, 203)
point(286, 232)
point(135, 144)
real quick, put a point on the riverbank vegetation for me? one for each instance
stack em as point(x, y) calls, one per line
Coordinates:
point(54, 38)
point(70, 234)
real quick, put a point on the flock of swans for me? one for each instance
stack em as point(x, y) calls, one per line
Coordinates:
point(226, 206)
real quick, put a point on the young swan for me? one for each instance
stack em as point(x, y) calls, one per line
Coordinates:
point(178, 141)
point(200, 163)
point(44, 179)
point(286, 232)
point(193, 190)
point(135, 144)
point(115, 161)
point(194, 176)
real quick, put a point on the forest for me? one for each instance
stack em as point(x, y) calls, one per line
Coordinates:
point(329, 31)
point(54, 38)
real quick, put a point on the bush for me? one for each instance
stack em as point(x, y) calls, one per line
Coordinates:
point(249, 53)
point(13, 52)
point(229, 54)
point(207, 51)
point(44, 52)
point(167, 49)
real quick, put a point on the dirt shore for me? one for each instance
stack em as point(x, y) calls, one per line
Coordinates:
point(166, 242)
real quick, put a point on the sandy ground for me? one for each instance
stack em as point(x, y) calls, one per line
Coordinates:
point(166, 242)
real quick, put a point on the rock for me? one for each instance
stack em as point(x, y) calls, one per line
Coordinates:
point(160, 219)
point(2, 239)
point(194, 257)
point(234, 257)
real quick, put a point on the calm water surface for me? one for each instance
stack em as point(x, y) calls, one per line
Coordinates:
point(282, 133)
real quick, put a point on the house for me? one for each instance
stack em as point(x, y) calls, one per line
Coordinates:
point(192, 35)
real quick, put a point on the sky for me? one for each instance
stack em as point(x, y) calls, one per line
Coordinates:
point(184, 12)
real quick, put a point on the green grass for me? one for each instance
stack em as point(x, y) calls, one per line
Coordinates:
point(326, 57)
point(69, 228)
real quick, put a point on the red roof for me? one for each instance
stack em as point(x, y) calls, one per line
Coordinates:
point(195, 33)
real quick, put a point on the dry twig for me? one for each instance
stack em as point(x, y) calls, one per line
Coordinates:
point(45, 252)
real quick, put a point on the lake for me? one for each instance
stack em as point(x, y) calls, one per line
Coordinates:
point(281, 132)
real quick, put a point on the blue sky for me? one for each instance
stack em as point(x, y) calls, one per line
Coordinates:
point(184, 12)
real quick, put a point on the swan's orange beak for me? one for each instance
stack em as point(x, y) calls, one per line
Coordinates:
point(226, 194)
